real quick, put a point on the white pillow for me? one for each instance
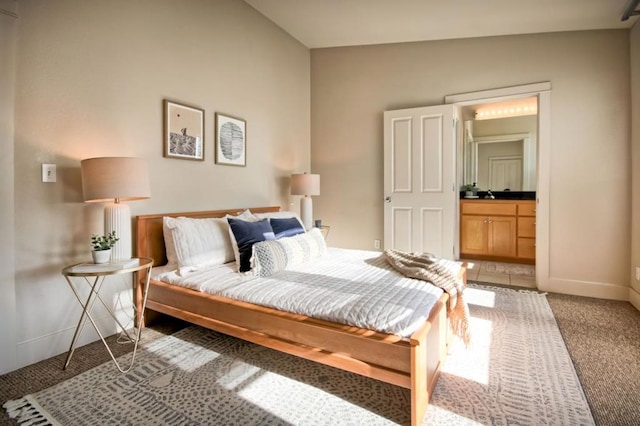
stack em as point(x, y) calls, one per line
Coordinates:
point(198, 243)
point(269, 257)
point(169, 245)
point(245, 215)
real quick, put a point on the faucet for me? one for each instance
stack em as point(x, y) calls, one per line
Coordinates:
point(490, 195)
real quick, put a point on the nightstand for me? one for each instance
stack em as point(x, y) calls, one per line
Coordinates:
point(324, 230)
point(94, 275)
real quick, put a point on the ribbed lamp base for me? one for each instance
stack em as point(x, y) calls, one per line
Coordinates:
point(117, 217)
point(306, 212)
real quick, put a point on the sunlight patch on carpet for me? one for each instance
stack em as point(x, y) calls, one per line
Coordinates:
point(189, 358)
point(480, 297)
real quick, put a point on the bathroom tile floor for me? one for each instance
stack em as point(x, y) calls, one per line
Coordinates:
point(501, 273)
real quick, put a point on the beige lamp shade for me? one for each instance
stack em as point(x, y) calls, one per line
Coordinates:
point(106, 179)
point(305, 184)
point(112, 180)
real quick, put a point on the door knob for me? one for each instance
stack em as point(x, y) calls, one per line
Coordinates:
point(387, 199)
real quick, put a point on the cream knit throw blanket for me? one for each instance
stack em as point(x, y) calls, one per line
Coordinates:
point(427, 267)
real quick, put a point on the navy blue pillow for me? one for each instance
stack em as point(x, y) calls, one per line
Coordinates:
point(287, 227)
point(247, 234)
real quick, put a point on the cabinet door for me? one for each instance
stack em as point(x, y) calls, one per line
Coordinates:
point(527, 208)
point(502, 236)
point(527, 227)
point(473, 234)
point(527, 248)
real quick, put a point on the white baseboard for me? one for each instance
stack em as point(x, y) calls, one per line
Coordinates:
point(584, 288)
point(52, 344)
point(634, 298)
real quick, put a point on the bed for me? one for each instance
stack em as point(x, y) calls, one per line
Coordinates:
point(412, 362)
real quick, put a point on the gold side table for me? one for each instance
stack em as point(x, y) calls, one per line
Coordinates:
point(94, 276)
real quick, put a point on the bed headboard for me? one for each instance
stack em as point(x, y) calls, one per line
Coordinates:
point(149, 237)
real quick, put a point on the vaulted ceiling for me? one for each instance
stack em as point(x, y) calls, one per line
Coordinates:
point(331, 23)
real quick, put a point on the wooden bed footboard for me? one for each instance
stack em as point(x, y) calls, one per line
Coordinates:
point(412, 363)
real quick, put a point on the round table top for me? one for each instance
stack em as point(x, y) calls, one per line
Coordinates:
point(109, 268)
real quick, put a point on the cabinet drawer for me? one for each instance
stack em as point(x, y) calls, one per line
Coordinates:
point(527, 209)
point(527, 248)
point(494, 208)
point(527, 227)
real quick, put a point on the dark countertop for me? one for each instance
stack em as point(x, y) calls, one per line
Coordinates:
point(505, 195)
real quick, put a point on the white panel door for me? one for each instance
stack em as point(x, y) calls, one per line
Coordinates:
point(505, 172)
point(419, 180)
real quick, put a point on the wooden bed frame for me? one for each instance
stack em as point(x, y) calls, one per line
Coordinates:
point(414, 364)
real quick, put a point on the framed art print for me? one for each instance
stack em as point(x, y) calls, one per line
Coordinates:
point(231, 140)
point(183, 131)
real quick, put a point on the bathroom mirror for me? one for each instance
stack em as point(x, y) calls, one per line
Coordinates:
point(500, 154)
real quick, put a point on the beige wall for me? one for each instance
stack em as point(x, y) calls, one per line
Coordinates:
point(506, 126)
point(8, 32)
point(590, 171)
point(635, 161)
point(91, 77)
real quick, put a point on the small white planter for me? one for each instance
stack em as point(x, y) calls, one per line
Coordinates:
point(101, 256)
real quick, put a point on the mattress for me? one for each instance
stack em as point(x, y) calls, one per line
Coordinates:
point(352, 287)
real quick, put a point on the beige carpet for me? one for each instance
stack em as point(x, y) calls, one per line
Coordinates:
point(603, 338)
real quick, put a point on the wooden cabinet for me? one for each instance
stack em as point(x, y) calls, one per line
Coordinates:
point(498, 229)
point(488, 235)
point(527, 231)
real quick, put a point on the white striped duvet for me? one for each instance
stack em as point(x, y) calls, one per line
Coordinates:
point(352, 287)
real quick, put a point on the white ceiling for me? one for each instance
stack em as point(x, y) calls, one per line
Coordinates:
point(332, 23)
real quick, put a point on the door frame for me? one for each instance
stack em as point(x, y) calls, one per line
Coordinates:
point(543, 92)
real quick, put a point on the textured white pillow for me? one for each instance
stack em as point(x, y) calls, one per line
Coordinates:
point(269, 257)
point(198, 243)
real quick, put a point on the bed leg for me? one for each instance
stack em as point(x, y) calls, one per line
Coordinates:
point(427, 359)
point(419, 392)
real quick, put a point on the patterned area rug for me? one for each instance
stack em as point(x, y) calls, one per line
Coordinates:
point(516, 371)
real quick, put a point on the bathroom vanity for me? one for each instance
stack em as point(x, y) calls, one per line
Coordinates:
point(498, 229)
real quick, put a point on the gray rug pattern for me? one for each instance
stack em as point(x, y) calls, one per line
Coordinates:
point(517, 371)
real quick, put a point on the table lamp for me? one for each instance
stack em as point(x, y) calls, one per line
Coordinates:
point(306, 185)
point(113, 180)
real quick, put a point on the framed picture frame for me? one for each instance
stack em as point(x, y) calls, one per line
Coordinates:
point(231, 140)
point(183, 131)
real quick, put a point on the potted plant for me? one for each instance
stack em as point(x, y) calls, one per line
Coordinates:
point(102, 245)
point(468, 190)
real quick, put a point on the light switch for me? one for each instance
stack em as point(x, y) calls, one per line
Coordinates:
point(48, 172)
